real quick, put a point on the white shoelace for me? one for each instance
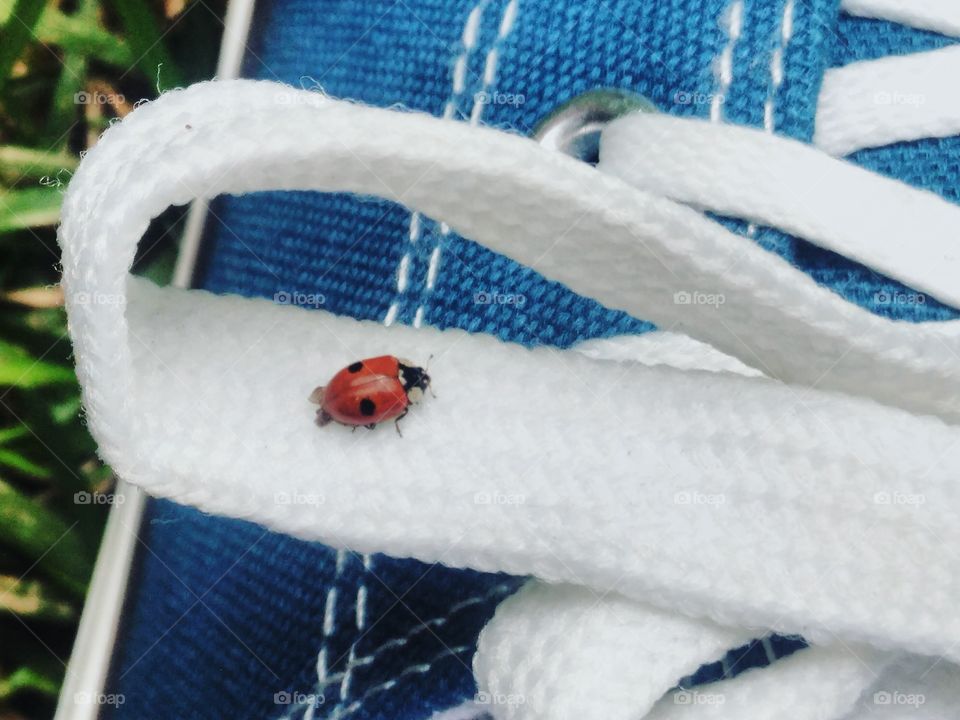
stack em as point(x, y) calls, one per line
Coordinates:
point(721, 504)
point(941, 16)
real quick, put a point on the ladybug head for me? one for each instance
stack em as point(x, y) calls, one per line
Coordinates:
point(413, 377)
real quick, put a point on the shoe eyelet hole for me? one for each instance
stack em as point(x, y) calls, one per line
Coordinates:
point(574, 127)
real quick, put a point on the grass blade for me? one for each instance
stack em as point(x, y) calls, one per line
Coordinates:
point(44, 539)
point(20, 369)
point(18, 462)
point(18, 31)
point(67, 94)
point(146, 41)
point(30, 207)
point(24, 162)
point(80, 36)
point(28, 679)
point(13, 433)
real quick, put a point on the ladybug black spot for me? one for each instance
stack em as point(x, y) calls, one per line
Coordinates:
point(356, 367)
point(367, 407)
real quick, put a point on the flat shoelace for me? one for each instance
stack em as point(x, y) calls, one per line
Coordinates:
point(710, 485)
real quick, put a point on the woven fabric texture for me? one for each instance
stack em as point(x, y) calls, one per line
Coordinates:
point(225, 616)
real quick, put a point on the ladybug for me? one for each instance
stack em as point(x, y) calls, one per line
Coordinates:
point(371, 391)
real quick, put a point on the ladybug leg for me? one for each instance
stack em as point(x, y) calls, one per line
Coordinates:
point(371, 426)
point(401, 416)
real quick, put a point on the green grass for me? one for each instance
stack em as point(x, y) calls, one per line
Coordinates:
point(51, 55)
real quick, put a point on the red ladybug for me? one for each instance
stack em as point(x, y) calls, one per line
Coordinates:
point(371, 391)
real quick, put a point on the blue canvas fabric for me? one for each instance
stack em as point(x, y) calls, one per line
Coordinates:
point(227, 620)
point(868, 39)
point(225, 615)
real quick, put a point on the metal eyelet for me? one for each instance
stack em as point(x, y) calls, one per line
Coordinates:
point(574, 127)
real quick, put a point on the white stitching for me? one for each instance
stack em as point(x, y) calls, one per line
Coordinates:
point(392, 313)
point(768, 649)
point(402, 273)
point(329, 625)
point(776, 78)
point(723, 65)
point(492, 61)
point(362, 600)
point(418, 669)
point(361, 623)
point(434, 265)
point(437, 622)
point(732, 20)
point(403, 267)
point(776, 64)
point(471, 30)
point(476, 112)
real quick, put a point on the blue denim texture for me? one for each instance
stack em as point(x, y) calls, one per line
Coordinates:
point(223, 614)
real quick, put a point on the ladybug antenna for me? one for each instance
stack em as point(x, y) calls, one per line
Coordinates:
point(426, 368)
